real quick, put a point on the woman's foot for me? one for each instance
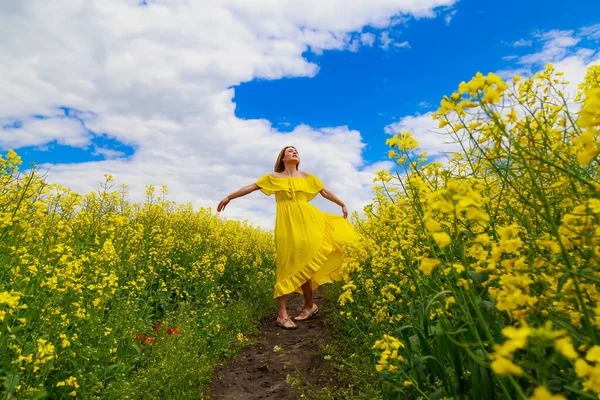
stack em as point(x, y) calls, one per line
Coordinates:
point(307, 313)
point(286, 323)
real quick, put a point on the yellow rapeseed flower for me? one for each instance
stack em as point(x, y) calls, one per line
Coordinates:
point(593, 354)
point(504, 366)
point(442, 239)
point(428, 264)
point(541, 393)
point(565, 347)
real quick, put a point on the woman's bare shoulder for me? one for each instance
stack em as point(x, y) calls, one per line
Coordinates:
point(303, 174)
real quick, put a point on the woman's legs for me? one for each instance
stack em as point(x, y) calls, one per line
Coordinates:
point(283, 319)
point(309, 308)
point(307, 292)
point(281, 307)
point(308, 300)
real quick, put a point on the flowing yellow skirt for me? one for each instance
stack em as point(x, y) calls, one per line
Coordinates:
point(309, 245)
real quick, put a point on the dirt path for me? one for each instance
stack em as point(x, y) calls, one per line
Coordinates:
point(260, 373)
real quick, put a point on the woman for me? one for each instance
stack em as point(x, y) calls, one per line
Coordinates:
point(308, 242)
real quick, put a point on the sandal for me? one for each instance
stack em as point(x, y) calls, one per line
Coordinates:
point(286, 323)
point(306, 314)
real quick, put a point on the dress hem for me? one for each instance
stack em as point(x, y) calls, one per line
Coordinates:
point(294, 282)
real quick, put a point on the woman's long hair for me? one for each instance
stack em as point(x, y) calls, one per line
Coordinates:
point(279, 165)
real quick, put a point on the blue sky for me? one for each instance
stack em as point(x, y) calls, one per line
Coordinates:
point(372, 88)
point(200, 96)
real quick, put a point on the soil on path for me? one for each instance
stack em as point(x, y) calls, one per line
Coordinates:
point(261, 373)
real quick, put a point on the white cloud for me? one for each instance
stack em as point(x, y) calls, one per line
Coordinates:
point(555, 46)
point(523, 43)
point(159, 78)
point(448, 17)
point(386, 41)
point(509, 73)
point(575, 68)
point(402, 44)
point(354, 44)
point(107, 153)
point(425, 131)
point(367, 39)
point(590, 32)
point(566, 49)
point(37, 132)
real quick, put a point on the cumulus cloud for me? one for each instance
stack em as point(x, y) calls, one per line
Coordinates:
point(386, 41)
point(367, 39)
point(425, 130)
point(160, 78)
point(34, 131)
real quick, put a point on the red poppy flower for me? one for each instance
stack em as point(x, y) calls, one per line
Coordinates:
point(157, 327)
point(170, 331)
point(149, 340)
point(177, 331)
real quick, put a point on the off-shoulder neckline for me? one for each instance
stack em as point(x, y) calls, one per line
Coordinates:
point(290, 177)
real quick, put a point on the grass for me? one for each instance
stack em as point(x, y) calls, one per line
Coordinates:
point(350, 363)
point(182, 366)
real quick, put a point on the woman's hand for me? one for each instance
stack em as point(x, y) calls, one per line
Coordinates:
point(222, 204)
point(345, 211)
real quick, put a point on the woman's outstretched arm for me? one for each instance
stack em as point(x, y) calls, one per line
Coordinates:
point(238, 193)
point(328, 194)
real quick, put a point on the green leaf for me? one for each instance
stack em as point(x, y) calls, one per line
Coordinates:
point(436, 367)
point(111, 367)
point(477, 390)
point(441, 347)
point(423, 318)
point(425, 346)
point(454, 356)
point(40, 395)
point(437, 395)
point(409, 351)
point(486, 383)
point(137, 348)
point(11, 382)
point(555, 385)
point(563, 279)
point(476, 277)
point(400, 330)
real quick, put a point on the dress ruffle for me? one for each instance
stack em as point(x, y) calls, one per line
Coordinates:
point(327, 247)
point(270, 184)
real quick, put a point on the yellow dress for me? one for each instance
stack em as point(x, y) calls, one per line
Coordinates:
point(309, 243)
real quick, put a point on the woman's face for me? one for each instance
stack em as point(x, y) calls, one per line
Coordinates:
point(291, 155)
